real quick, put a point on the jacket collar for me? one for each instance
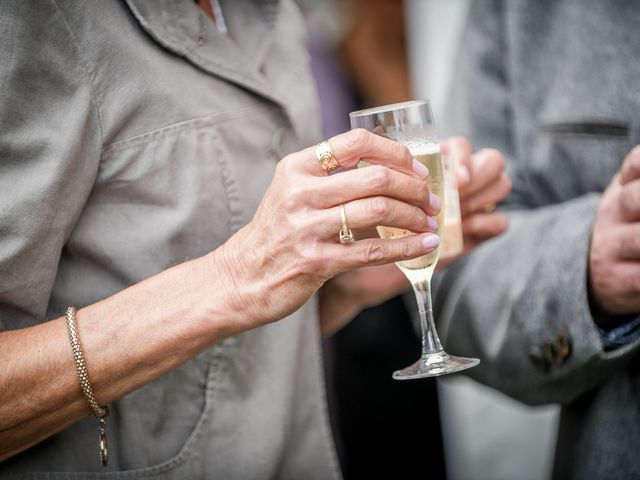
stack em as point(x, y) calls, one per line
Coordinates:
point(181, 27)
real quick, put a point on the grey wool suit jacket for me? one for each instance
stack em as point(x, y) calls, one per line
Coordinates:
point(555, 85)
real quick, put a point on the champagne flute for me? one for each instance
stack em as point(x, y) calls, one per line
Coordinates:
point(412, 124)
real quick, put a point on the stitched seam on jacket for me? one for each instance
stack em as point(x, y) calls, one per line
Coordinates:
point(211, 118)
point(588, 129)
point(90, 73)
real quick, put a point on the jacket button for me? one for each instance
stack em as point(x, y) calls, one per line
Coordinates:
point(539, 360)
point(548, 352)
point(554, 353)
point(561, 348)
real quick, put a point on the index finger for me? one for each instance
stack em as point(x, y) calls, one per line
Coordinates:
point(358, 144)
point(630, 169)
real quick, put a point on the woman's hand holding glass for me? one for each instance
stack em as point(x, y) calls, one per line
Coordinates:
point(290, 248)
point(482, 183)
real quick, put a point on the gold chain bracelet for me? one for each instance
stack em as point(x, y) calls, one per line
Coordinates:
point(101, 412)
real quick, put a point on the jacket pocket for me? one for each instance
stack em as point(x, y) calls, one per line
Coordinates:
point(610, 129)
point(180, 423)
point(574, 156)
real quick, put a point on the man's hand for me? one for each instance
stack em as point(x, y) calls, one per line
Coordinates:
point(614, 266)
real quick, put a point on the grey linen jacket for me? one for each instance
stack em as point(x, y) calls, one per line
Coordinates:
point(133, 136)
point(555, 85)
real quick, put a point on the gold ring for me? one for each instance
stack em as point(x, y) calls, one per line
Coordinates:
point(345, 233)
point(325, 156)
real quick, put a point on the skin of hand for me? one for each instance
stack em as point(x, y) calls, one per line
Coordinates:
point(614, 255)
point(482, 183)
point(290, 248)
point(265, 271)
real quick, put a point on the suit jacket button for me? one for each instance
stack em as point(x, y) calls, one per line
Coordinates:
point(539, 360)
point(548, 352)
point(561, 348)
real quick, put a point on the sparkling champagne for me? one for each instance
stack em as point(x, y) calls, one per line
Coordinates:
point(452, 238)
point(428, 155)
point(452, 241)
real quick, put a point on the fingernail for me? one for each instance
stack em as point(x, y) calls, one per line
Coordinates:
point(432, 222)
point(434, 201)
point(463, 173)
point(430, 242)
point(420, 168)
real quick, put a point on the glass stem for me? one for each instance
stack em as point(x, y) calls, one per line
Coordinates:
point(430, 341)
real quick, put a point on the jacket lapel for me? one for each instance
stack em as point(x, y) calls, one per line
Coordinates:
point(181, 27)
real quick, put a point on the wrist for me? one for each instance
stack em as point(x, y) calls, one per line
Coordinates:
point(609, 321)
point(228, 297)
point(604, 318)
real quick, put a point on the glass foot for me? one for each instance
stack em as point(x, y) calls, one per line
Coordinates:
point(435, 365)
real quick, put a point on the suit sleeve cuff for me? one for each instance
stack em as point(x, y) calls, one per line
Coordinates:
point(623, 334)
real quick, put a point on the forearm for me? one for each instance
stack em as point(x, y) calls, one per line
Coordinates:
point(336, 308)
point(128, 339)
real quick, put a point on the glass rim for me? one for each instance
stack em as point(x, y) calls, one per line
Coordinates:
point(388, 108)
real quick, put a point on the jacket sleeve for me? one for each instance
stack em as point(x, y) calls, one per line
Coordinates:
point(514, 299)
point(50, 146)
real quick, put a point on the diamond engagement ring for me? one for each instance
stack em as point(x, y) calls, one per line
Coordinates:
point(345, 234)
